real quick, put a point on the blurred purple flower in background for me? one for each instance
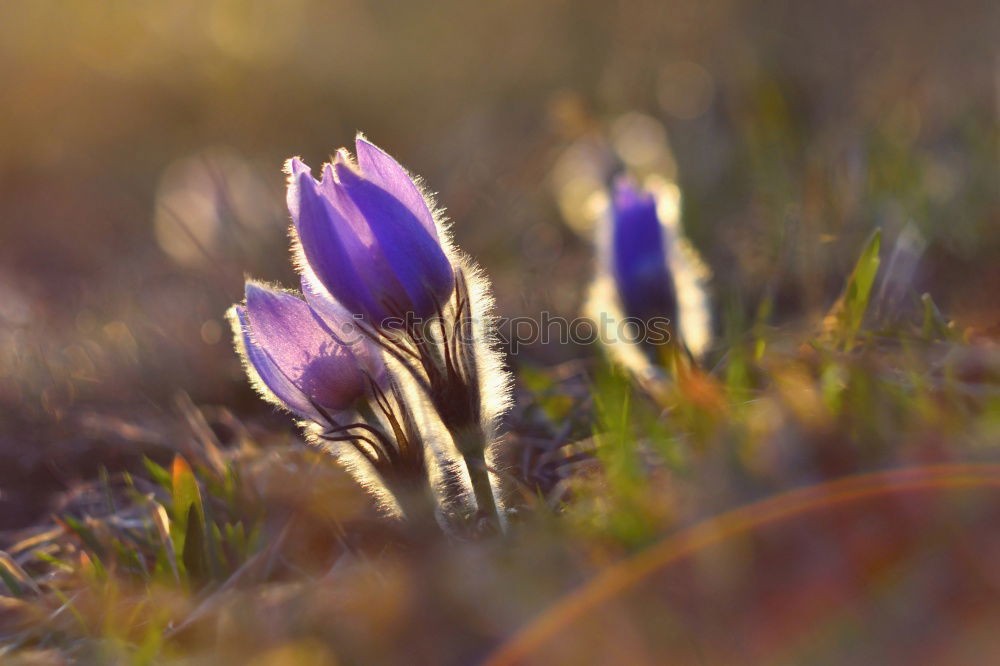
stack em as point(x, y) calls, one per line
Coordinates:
point(649, 276)
point(639, 255)
point(368, 238)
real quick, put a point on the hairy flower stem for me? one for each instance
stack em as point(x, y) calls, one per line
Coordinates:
point(470, 443)
point(415, 497)
point(445, 351)
point(406, 478)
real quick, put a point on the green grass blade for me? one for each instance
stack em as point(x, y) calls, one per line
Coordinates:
point(186, 496)
point(845, 318)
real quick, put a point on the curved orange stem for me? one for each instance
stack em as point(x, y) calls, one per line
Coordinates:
point(631, 571)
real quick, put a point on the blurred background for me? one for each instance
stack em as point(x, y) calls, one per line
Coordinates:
point(141, 146)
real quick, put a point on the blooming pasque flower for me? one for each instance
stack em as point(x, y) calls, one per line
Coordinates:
point(417, 374)
point(368, 236)
point(298, 362)
point(639, 257)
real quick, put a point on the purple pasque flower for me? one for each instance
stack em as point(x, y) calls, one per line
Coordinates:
point(384, 358)
point(368, 236)
point(639, 255)
point(299, 362)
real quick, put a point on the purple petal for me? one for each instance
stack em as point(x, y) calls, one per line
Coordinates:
point(345, 327)
point(333, 249)
point(339, 320)
point(295, 168)
point(303, 349)
point(367, 259)
point(417, 260)
point(272, 378)
point(342, 203)
point(380, 168)
point(645, 284)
